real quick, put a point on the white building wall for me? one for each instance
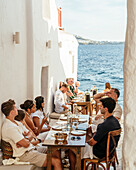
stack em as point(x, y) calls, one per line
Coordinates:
point(55, 57)
point(21, 64)
point(129, 142)
point(13, 61)
point(67, 51)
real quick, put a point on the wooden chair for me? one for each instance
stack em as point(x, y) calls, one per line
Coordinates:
point(108, 160)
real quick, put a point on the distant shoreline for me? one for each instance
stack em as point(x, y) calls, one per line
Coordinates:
point(109, 43)
point(83, 41)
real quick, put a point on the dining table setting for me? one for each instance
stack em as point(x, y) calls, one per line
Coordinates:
point(68, 132)
point(85, 102)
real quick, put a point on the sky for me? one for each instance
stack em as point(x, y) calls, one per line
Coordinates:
point(102, 20)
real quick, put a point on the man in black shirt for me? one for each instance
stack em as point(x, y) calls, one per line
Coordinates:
point(99, 140)
point(97, 144)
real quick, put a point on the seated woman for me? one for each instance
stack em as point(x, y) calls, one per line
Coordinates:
point(27, 134)
point(30, 108)
point(77, 84)
point(107, 87)
point(39, 115)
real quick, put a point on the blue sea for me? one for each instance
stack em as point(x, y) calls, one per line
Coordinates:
point(98, 64)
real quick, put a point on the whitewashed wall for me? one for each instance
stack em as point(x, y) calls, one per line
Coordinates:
point(55, 57)
point(13, 63)
point(21, 64)
point(129, 143)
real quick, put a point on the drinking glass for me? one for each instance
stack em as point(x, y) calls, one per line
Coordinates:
point(75, 123)
point(60, 138)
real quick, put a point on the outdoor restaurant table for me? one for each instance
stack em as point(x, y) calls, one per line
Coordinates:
point(74, 145)
point(87, 105)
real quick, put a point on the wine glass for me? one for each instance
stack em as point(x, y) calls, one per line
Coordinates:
point(75, 123)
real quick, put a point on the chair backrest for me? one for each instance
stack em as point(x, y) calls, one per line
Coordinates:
point(6, 149)
point(111, 135)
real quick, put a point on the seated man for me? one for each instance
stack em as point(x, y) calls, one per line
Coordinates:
point(22, 147)
point(113, 93)
point(60, 104)
point(96, 146)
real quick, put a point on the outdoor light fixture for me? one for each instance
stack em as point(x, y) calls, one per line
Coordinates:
point(70, 52)
point(48, 44)
point(16, 38)
point(60, 44)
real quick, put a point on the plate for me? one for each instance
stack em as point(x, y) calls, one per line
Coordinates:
point(57, 128)
point(78, 133)
point(63, 118)
point(82, 120)
point(61, 122)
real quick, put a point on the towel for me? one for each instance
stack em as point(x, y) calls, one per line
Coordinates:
point(11, 161)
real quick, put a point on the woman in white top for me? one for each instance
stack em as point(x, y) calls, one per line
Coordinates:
point(30, 108)
point(39, 114)
point(26, 131)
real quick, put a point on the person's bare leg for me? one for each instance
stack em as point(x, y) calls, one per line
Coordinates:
point(72, 160)
point(57, 154)
point(45, 163)
point(55, 162)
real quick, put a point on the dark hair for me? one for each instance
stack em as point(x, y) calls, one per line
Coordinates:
point(20, 116)
point(109, 103)
point(39, 100)
point(67, 79)
point(60, 84)
point(28, 104)
point(7, 106)
point(64, 85)
point(116, 91)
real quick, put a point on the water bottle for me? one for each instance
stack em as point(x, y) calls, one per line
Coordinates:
point(75, 108)
point(68, 117)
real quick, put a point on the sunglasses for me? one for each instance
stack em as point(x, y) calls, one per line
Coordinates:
point(75, 138)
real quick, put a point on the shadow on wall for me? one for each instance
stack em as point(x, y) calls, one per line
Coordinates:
point(53, 105)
